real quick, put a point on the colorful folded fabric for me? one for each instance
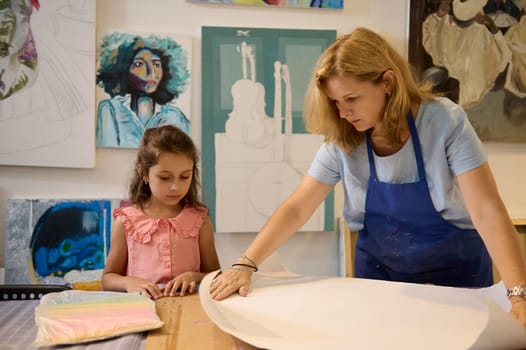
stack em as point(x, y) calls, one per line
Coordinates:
point(76, 316)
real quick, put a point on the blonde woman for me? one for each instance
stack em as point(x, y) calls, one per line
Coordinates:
point(416, 181)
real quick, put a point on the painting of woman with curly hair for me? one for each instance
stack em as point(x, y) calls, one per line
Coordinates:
point(144, 76)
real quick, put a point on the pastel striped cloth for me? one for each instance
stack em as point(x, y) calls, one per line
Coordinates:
point(75, 316)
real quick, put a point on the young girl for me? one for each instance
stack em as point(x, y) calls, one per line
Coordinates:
point(165, 237)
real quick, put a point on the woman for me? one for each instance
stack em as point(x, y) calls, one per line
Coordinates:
point(142, 75)
point(415, 176)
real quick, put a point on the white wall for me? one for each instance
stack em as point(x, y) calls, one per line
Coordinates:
point(109, 178)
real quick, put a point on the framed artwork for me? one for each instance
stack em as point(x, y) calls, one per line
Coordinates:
point(255, 149)
point(472, 51)
point(51, 241)
point(47, 91)
point(144, 80)
point(327, 4)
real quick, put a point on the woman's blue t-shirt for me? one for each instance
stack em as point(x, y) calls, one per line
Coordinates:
point(449, 145)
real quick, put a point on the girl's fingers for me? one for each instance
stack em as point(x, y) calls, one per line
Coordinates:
point(192, 287)
point(153, 291)
point(184, 287)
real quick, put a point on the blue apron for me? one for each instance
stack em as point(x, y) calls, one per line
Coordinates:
point(405, 239)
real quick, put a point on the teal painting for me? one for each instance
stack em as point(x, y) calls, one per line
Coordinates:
point(255, 148)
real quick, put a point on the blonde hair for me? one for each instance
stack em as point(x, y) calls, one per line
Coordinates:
point(366, 56)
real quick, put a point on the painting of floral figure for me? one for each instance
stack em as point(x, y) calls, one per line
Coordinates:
point(146, 81)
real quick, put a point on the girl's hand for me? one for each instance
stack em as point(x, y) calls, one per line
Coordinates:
point(182, 284)
point(518, 309)
point(134, 284)
point(229, 282)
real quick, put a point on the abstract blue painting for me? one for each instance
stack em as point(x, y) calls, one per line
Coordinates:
point(57, 241)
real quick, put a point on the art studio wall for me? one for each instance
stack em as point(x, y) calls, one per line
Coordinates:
point(109, 177)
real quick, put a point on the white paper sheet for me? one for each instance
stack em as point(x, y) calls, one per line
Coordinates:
point(288, 311)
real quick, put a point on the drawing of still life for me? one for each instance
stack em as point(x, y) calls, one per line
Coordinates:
point(473, 52)
point(326, 4)
point(144, 82)
point(46, 83)
point(255, 147)
point(57, 241)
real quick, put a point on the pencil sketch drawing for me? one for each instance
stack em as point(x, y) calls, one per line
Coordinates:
point(46, 83)
point(259, 160)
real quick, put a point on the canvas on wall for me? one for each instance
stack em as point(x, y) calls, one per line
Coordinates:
point(52, 241)
point(326, 4)
point(144, 82)
point(255, 149)
point(46, 83)
point(473, 52)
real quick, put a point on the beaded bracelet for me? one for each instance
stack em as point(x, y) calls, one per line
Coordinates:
point(246, 265)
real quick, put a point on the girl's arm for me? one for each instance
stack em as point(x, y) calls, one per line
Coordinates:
point(286, 220)
point(207, 248)
point(494, 225)
point(114, 275)
point(116, 262)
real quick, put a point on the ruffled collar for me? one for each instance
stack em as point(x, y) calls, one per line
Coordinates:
point(141, 227)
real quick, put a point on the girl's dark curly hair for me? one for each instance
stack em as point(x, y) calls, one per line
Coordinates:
point(168, 138)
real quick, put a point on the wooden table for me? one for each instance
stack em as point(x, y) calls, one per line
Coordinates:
point(186, 326)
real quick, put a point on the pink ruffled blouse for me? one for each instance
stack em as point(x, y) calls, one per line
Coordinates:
point(160, 249)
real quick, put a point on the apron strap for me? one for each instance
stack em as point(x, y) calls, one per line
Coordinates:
point(372, 171)
point(416, 147)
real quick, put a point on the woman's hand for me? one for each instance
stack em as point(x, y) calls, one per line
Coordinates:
point(134, 284)
point(518, 309)
point(230, 281)
point(182, 284)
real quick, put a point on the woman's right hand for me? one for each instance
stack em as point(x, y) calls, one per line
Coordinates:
point(230, 281)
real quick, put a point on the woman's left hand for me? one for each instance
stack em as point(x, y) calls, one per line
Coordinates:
point(518, 310)
point(180, 285)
